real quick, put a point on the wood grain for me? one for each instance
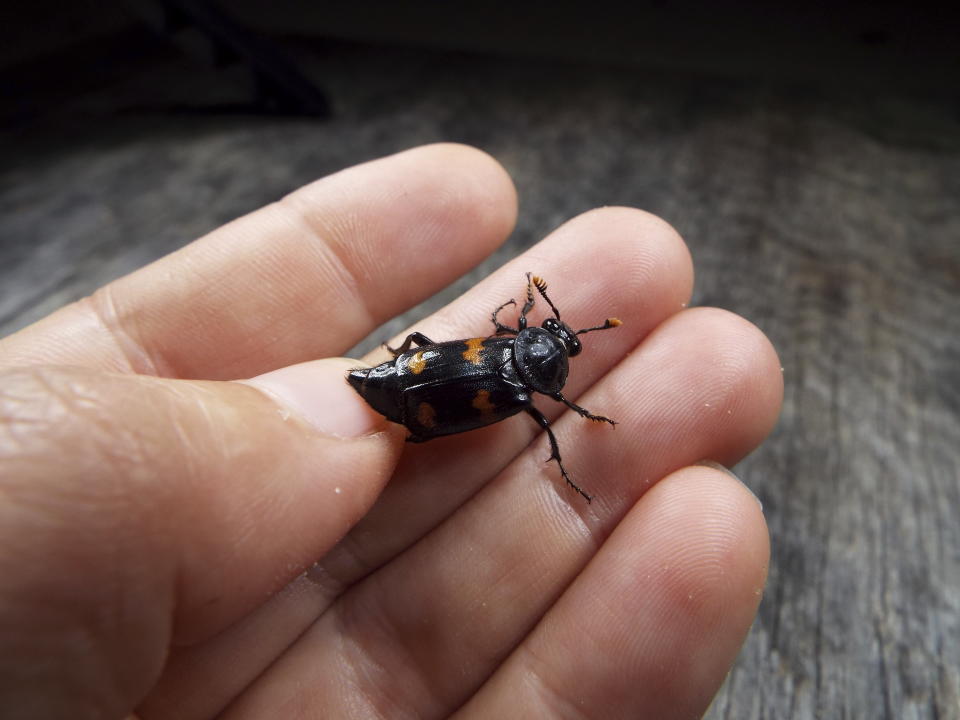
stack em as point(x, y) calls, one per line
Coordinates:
point(830, 220)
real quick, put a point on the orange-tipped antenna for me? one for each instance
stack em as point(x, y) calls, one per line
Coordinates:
point(609, 323)
point(541, 286)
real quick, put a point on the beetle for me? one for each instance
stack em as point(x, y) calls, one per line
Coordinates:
point(451, 387)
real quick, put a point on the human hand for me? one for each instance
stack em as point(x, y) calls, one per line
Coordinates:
point(184, 546)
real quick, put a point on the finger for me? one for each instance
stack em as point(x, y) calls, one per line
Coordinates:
point(431, 626)
point(653, 624)
point(138, 511)
point(300, 279)
point(614, 261)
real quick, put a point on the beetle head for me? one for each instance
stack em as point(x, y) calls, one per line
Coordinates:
point(560, 329)
point(565, 333)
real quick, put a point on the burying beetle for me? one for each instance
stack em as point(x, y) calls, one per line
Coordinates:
point(451, 387)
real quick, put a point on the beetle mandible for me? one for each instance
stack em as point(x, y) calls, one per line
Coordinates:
point(451, 387)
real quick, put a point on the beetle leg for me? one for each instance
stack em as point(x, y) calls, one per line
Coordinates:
point(582, 411)
point(528, 305)
point(555, 449)
point(416, 338)
point(500, 327)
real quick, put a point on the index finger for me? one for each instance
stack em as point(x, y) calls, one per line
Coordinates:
point(306, 277)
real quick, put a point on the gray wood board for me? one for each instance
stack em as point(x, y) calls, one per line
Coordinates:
point(831, 221)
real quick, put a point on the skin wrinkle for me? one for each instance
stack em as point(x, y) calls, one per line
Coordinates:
point(94, 631)
point(135, 354)
point(124, 449)
point(330, 255)
point(120, 556)
point(14, 415)
point(344, 229)
point(360, 534)
point(332, 267)
point(318, 274)
point(569, 514)
point(350, 567)
point(433, 220)
point(553, 699)
point(64, 398)
point(267, 263)
point(186, 445)
point(328, 585)
point(370, 676)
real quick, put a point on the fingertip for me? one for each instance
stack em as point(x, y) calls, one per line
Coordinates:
point(642, 250)
point(697, 545)
point(462, 196)
point(750, 368)
point(692, 565)
point(474, 203)
point(715, 545)
point(729, 376)
point(489, 183)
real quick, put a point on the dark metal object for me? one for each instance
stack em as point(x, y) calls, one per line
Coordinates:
point(452, 387)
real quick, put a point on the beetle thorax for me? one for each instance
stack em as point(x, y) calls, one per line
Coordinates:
point(541, 360)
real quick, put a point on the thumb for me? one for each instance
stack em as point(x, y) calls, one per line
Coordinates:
point(137, 510)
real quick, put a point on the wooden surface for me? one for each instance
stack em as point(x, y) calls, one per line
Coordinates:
point(830, 219)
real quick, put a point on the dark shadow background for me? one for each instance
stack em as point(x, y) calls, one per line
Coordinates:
point(809, 155)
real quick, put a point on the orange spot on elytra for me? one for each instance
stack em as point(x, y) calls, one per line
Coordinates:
point(472, 353)
point(426, 415)
point(481, 401)
point(417, 363)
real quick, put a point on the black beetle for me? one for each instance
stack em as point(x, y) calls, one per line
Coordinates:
point(451, 387)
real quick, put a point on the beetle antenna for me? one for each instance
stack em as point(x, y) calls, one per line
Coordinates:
point(541, 286)
point(609, 323)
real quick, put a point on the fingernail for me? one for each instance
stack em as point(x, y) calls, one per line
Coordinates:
point(723, 468)
point(318, 392)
